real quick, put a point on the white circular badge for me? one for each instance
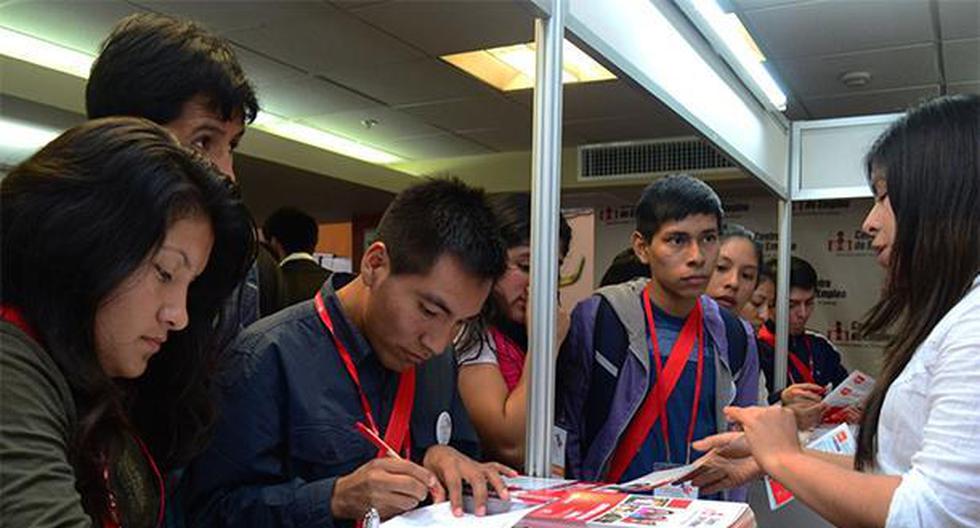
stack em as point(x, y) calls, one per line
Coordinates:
point(444, 428)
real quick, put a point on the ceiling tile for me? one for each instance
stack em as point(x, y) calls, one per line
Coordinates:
point(310, 96)
point(605, 100)
point(889, 68)
point(959, 18)
point(434, 147)
point(391, 126)
point(63, 22)
point(473, 114)
point(313, 36)
point(838, 26)
point(501, 140)
point(962, 60)
point(443, 27)
point(410, 82)
point(265, 73)
point(869, 102)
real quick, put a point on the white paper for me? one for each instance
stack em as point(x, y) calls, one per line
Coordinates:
point(441, 514)
point(852, 391)
point(839, 440)
point(651, 481)
point(523, 482)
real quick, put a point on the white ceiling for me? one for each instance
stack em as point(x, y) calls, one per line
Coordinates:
point(913, 49)
point(335, 64)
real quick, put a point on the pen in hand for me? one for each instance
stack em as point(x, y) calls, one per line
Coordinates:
point(378, 442)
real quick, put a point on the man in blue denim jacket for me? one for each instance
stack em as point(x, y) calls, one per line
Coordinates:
point(286, 451)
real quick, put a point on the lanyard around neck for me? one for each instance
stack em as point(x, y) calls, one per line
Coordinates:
point(397, 433)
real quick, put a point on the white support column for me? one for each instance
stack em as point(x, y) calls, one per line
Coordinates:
point(782, 294)
point(545, 202)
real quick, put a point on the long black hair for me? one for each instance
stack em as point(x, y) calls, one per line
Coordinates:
point(80, 217)
point(930, 163)
point(512, 212)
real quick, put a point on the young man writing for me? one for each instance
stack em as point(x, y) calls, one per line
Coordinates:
point(286, 450)
point(813, 361)
point(649, 364)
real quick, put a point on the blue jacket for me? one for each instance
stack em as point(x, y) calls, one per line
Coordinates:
point(590, 449)
point(287, 413)
point(827, 365)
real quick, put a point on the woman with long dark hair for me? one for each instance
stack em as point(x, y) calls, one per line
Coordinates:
point(918, 456)
point(493, 375)
point(119, 248)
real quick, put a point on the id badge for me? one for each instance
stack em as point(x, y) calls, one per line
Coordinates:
point(682, 490)
point(559, 437)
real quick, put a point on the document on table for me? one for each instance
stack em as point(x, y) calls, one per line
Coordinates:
point(442, 515)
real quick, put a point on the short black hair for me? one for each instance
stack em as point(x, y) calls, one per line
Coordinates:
point(802, 274)
point(625, 266)
point(442, 216)
point(513, 212)
point(151, 64)
point(294, 229)
point(674, 198)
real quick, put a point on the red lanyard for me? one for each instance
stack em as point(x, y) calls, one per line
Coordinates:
point(655, 404)
point(397, 433)
point(14, 316)
point(807, 373)
point(767, 337)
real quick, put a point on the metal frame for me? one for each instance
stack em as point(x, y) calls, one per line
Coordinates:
point(545, 202)
point(546, 175)
point(799, 128)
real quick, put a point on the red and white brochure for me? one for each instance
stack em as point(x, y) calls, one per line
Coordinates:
point(839, 440)
point(852, 392)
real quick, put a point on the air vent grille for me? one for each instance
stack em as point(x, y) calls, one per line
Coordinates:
point(642, 158)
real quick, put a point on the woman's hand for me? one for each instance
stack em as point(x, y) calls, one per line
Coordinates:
point(728, 464)
point(802, 394)
point(769, 431)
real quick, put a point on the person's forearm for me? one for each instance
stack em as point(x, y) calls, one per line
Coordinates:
point(842, 496)
point(842, 461)
point(511, 445)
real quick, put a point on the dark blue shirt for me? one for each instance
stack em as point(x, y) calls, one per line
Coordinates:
point(287, 413)
point(679, 404)
point(809, 347)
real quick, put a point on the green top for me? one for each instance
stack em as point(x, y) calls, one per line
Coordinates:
point(37, 422)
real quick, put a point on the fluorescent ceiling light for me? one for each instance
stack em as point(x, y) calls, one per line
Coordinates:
point(512, 67)
point(43, 53)
point(24, 136)
point(729, 29)
point(282, 127)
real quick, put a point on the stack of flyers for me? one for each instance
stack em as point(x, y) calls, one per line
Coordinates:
point(650, 482)
point(852, 392)
point(599, 509)
point(839, 440)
